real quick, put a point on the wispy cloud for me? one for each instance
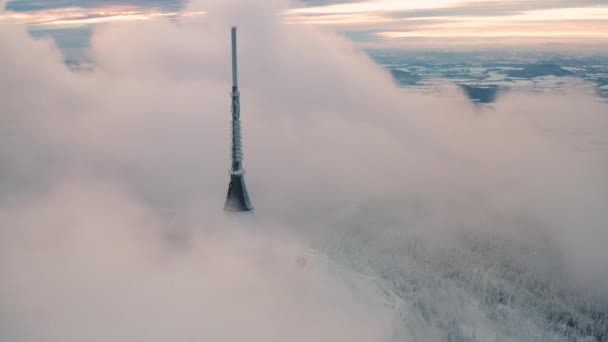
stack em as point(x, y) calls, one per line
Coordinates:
point(393, 20)
point(387, 21)
point(575, 22)
point(79, 16)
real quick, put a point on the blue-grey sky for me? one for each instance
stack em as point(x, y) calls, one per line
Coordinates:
point(30, 5)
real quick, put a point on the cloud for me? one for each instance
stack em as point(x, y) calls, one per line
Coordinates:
point(501, 21)
point(122, 253)
point(88, 261)
point(99, 166)
point(442, 8)
point(397, 23)
point(62, 17)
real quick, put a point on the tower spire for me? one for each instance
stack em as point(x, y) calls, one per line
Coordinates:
point(237, 199)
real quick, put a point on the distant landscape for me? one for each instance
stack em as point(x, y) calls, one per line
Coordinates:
point(482, 75)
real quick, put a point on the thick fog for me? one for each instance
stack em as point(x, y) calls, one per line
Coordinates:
point(112, 182)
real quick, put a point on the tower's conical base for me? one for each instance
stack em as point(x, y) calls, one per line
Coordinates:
point(237, 199)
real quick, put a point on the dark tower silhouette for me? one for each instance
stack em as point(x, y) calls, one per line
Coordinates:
point(237, 199)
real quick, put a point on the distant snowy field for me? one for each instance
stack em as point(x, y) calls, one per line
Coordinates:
point(483, 69)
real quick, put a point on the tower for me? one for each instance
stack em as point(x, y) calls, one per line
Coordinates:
point(237, 199)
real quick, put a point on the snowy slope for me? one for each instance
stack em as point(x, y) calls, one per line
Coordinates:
point(485, 291)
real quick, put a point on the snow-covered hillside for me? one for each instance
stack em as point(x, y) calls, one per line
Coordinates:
point(485, 287)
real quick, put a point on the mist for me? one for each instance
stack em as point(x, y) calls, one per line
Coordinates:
point(482, 221)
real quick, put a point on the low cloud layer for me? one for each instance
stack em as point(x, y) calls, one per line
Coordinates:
point(87, 262)
point(112, 182)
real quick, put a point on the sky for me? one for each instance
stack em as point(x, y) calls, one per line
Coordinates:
point(375, 23)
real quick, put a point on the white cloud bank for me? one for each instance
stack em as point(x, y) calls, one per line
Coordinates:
point(92, 162)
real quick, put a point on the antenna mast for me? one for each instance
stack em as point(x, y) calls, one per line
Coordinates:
point(237, 199)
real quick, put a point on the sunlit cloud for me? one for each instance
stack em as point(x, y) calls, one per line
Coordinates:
point(339, 19)
point(496, 34)
point(372, 7)
point(389, 20)
point(392, 20)
point(579, 13)
point(80, 16)
point(576, 22)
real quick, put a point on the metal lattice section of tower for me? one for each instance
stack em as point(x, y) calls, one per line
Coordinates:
point(237, 147)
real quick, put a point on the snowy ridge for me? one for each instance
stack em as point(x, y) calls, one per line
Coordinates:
point(369, 289)
point(486, 291)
